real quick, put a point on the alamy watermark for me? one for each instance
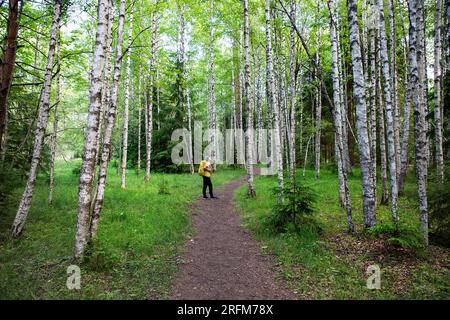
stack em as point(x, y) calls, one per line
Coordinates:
point(374, 280)
point(74, 277)
point(224, 146)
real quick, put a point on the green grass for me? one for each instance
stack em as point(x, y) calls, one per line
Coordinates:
point(332, 264)
point(134, 256)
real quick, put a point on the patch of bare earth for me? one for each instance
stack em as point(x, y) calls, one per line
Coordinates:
point(222, 260)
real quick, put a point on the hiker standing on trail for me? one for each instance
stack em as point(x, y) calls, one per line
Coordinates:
point(205, 171)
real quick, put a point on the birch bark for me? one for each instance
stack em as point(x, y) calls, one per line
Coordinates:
point(361, 117)
point(44, 109)
point(87, 171)
point(249, 106)
point(415, 9)
point(438, 106)
point(337, 116)
point(54, 137)
point(149, 109)
point(109, 125)
point(390, 121)
point(127, 100)
point(273, 99)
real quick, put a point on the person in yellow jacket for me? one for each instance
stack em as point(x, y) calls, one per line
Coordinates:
point(205, 171)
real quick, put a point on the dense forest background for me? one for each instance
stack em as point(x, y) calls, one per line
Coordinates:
point(357, 87)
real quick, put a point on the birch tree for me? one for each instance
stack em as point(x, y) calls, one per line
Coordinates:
point(273, 100)
point(438, 105)
point(185, 91)
point(394, 83)
point(385, 68)
point(415, 9)
point(127, 99)
point(292, 91)
point(54, 137)
point(149, 109)
point(249, 106)
point(337, 116)
point(44, 110)
point(88, 166)
point(361, 117)
point(212, 116)
point(109, 125)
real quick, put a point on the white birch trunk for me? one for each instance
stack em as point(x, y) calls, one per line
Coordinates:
point(109, 125)
point(249, 106)
point(44, 109)
point(87, 171)
point(420, 125)
point(393, 70)
point(272, 93)
point(292, 91)
point(185, 91)
point(149, 110)
point(127, 100)
point(53, 142)
point(337, 116)
point(438, 105)
point(390, 126)
point(361, 118)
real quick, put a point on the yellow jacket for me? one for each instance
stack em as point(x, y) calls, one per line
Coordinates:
point(202, 169)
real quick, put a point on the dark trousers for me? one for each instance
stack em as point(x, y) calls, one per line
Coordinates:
point(207, 183)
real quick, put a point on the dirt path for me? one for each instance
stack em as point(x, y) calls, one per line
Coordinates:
point(222, 261)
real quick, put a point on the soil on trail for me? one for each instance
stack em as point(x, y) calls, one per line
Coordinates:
point(222, 261)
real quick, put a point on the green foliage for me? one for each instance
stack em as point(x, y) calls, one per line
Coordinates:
point(404, 237)
point(439, 206)
point(294, 207)
point(163, 187)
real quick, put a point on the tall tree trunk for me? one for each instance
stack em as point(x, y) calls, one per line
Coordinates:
point(127, 100)
point(7, 64)
point(55, 122)
point(337, 115)
point(259, 114)
point(390, 115)
point(138, 165)
point(438, 106)
point(249, 106)
point(44, 109)
point(361, 118)
point(149, 110)
point(106, 79)
point(383, 157)
point(212, 116)
point(318, 119)
point(109, 126)
point(394, 87)
point(272, 94)
point(406, 115)
point(405, 138)
point(373, 96)
point(343, 99)
point(292, 91)
point(420, 125)
point(185, 91)
point(88, 165)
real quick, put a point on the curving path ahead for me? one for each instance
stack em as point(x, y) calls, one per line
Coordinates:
point(222, 261)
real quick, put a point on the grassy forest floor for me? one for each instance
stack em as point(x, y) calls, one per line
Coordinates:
point(325, 262)
point(143, 230)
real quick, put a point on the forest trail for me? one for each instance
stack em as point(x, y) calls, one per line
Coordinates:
point(223, 261)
